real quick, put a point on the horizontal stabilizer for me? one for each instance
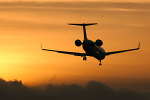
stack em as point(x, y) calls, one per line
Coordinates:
point(83, 24)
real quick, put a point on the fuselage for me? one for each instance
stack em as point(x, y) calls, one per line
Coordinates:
point(93, 50)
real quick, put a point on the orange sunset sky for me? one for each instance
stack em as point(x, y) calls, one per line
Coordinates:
point(121, 25)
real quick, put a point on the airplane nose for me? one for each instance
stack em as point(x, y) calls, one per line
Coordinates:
point(88, 42)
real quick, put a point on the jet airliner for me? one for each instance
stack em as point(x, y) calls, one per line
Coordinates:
point(91, 48)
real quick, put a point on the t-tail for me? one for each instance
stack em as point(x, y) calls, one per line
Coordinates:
point(84, 29)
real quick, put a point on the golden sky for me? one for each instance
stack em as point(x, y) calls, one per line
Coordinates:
point(23, 26)
point(82, 0)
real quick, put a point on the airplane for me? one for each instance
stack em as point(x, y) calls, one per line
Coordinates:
point(91, 48)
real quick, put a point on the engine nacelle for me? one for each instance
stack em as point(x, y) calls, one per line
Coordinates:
point(99, 42)
point(78, 42)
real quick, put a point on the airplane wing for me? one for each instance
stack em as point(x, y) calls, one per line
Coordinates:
point(66, 52)
point(121, 51)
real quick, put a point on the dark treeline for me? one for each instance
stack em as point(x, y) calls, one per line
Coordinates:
point(15, 90)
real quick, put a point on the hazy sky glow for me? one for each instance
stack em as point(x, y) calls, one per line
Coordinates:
point(82, 0)
point(120, 25)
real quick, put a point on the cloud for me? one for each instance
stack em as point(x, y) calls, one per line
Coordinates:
point(118, 9)
point(93, 90)
point(75, 5)
point(48, 15)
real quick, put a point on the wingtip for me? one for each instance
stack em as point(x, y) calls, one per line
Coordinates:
point(95, 23)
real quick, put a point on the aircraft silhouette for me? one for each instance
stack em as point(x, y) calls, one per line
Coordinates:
point(91, 48)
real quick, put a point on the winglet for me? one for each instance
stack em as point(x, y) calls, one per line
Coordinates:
point(139, 46)
point(41, 46)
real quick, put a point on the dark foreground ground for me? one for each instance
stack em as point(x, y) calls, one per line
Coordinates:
point(15, 90)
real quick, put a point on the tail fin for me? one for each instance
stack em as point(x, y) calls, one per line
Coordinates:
point(84, 29)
